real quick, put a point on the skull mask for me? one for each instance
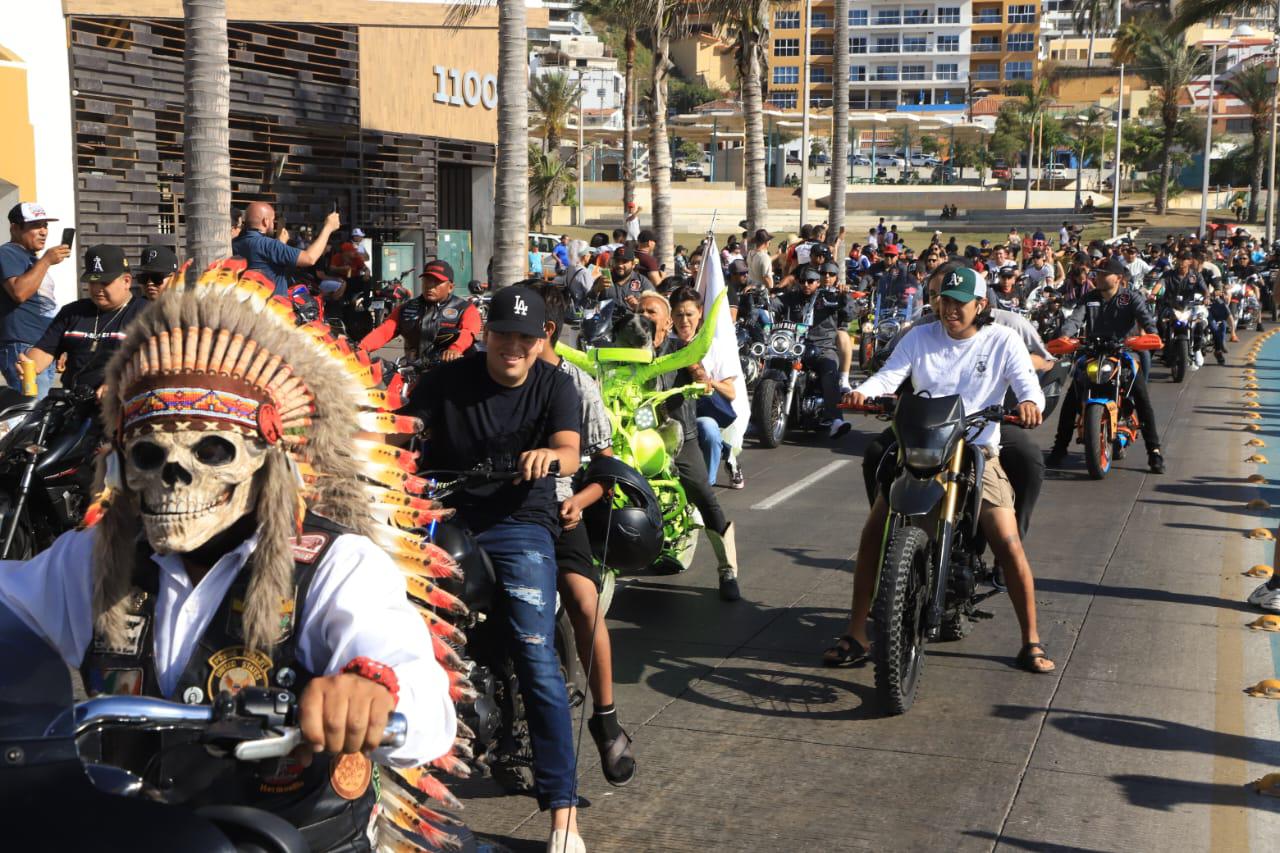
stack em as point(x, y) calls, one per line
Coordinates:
point(190, 484)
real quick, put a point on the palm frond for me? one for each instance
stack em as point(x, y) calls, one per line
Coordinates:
point(1193, 12)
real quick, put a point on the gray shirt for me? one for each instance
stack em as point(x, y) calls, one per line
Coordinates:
point(596, 431)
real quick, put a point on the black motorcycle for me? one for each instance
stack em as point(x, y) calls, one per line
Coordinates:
point(750, 331)
point(496, 716)
point(46, 466)
point(1184, 329)
point(931, 565)
point(788, 395)
point(369, 309)
point(53, 797)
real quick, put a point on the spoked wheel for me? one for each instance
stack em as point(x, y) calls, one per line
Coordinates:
point(1178, 359)
point(899, 615)
point(1097, 440)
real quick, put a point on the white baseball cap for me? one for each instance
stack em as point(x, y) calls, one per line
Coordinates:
point(27, 212)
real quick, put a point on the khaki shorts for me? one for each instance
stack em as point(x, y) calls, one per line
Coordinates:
point(996, 488)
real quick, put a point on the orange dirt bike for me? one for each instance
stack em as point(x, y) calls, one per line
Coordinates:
point(1104, 374)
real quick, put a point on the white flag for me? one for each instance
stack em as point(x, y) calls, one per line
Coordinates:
point(725, 340)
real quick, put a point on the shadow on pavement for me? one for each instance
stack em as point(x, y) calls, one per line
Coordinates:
point(1161, 794)
point(1026, 844)
point(1137, 593)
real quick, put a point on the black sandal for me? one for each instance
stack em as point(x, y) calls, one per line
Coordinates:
point(1026, 659)
point(846, 650)
point(617, 759)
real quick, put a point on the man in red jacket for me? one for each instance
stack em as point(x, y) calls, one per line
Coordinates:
point(437, 318)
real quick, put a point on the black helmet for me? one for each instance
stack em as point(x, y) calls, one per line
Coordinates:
point(632, 533)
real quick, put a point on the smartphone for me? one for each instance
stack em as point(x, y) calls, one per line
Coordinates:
point(335, 205)
point(68, 234)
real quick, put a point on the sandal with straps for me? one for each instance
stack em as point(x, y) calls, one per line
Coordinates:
point(846, 650)
point(1027, 657)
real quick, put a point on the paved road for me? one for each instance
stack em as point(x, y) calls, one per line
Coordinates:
point(1143, 739)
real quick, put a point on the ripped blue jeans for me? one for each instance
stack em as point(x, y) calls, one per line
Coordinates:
point(523, 557)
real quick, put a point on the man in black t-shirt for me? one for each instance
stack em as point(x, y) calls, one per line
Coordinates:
point(507, 409)
point(89, 330)
point(628, 284)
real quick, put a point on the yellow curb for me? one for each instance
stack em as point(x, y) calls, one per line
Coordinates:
point(1255, 442)
point(1261, 533)
point(1251, 386)
point(1252, 427)
point(1257, 459)
point(1256, 478)
point(1270, 622)
point(1253, 416)
point(1268, 786)
point(1267, 688)
point(1257, 503)
point(1249, 395)
point(1252, 404)
point(1260, 571)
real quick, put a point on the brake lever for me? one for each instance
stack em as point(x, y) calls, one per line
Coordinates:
point(393, 736)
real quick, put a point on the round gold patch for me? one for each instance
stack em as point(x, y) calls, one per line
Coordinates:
point(350, 775)
point(237, 667)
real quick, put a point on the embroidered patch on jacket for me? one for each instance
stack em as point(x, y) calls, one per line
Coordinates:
point(449, 313)
point(350, 775)
point(135, 628)
point(237, 667)
point(120, 682)
point(281, 776)
point(307, 547)
point(235, 618)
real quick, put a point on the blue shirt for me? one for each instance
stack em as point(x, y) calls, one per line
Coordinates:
point(535, 263)
point(562, 254)
point(23, 322)
point(268, 256)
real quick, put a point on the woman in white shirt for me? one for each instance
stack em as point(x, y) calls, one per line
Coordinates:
point(963, 354)
point(722, 372)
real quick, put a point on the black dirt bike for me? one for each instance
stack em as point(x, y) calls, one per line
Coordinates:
point(931, 558)
point(47, 452)
point(497, 715)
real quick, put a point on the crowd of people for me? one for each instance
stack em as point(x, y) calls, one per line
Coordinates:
point(497, 394)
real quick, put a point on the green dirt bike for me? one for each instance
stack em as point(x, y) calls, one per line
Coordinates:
point(642, 435)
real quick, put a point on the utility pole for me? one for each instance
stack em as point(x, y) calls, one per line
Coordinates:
point(804, 121)
point(1115, 178)
point(582, 94)
point(1271, 158)
point(1208, 141)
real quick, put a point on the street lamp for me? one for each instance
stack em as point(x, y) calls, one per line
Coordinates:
point(1241, 31)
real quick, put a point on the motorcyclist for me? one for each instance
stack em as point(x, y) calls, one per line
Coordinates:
point(689, 462)
point(1118, 311)
point(436, 315)
point(1006, 295)
point(964, 354)
point(897, 278)
point(826, 311)
point(627, 283)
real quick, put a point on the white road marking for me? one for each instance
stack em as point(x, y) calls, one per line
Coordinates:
point(798, 486)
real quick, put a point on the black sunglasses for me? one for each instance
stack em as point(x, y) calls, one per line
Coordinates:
point(153, 277)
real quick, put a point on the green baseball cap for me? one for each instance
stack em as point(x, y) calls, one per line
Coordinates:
point(965, 285)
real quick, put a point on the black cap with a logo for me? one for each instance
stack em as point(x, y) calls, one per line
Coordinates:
point(104, 263)
point(517, 310)
point(160, 259)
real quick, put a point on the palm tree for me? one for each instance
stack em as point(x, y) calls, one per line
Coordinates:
point(511, 202)
point(667, 19)
point(206, 131)
point(1092, 17)
point(748, 22)
point(629, 16)
point(839, 122)
point(555, 98)
point(1035, 100)
point(549, 179)
point(1191, 12)
point(1086, 126)
point(1168, 64)
point(1258, 94)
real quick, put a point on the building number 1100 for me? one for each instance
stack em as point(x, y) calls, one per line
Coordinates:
point(465, 88)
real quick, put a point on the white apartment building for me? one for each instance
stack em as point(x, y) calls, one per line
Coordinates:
point(585, 61)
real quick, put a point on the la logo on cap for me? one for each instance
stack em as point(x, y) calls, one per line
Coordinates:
point(521, 307)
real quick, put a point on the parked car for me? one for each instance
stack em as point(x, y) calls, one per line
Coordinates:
point(943, 174)
point(1001, 171)
point(693, 170)
point(924, 160)
point(1055, 170)
point(859, 160)
point(890, 161)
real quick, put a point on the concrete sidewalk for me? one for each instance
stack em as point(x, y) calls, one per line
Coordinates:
point(1142, 740)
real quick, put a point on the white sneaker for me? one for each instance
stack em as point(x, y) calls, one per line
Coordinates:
point(839, 427)
point(1267, 599)
point(564, 841)
point(845, 387)
point(1199, 362)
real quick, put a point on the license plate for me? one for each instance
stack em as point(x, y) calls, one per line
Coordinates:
point(377, 305)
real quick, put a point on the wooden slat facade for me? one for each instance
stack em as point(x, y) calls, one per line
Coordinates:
point(296, 139)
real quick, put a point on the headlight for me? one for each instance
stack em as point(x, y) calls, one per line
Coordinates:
point(757, 349)
point(888, 328)
point(9, 424)
point(646, 417)
point(1182, 314)
point(781, 343)
point(923, 458)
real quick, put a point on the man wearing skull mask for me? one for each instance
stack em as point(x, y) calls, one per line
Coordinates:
point(235, 453)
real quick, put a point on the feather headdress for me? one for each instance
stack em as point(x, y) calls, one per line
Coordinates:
point(224, 354)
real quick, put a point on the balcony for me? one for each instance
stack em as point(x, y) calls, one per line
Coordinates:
point(909, 19)
point(820, 22)
point(986, 47)
point(948, 19)
point(985, 74)
point(987, 18)
point(887, 20)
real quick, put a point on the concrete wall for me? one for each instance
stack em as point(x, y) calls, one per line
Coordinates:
point(34, 47)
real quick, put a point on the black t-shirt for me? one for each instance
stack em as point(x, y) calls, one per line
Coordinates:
point(89, 337)
point(473, 420)
point(679, 407)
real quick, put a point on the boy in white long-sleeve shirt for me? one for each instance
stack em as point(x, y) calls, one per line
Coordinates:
point(965, 355)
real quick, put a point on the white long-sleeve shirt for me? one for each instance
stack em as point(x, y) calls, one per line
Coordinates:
point(356, 607)
point(979, 369)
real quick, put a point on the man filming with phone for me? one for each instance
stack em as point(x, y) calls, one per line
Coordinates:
point(268, 255)
point(27, 303)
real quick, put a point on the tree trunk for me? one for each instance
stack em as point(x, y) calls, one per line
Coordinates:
point(1031, 147)
point(1089, 63)
point(511, 205)
point(1166, 169)
point(659, 144)
point(839, 123)
point(753, 117)
point(206, 132)
point(1256, 167)
point(629, 122)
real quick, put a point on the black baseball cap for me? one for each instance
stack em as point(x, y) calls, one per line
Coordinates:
point(811, 274)
point(438, 271)
point(1008, 272)
point(159, 259)
point(819, 250)
point(625, 252)
point(104, 263)
point(738, 267)
point(830, 269)
point(518, 309)
point(1117, 266)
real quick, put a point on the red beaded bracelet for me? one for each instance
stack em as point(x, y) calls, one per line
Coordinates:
point(374, 671)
